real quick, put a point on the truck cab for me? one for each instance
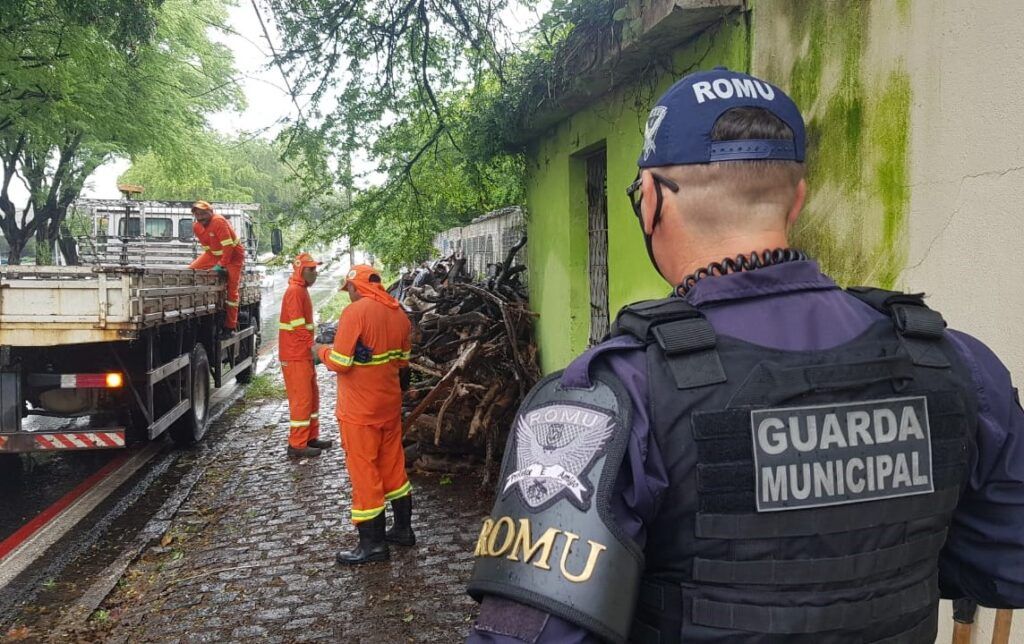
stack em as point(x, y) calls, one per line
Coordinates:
point(150, 233)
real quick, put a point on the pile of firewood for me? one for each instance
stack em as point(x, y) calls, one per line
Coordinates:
point(473, 361)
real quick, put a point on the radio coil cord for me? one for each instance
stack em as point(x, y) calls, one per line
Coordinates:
point(739, 264)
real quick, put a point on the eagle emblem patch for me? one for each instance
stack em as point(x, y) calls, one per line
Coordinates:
point(555, 447)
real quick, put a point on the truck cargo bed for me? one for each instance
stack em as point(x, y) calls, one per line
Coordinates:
point(57, 305)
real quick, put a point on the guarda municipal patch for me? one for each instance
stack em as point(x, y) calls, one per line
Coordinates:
point(555, 446)
point(807, 457)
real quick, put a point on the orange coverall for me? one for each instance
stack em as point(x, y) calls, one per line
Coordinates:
point(294, 341)
point(221, 247)
point(369, 407)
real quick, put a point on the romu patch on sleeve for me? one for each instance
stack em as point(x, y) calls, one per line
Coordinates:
point(555, 446)
point(807, 457)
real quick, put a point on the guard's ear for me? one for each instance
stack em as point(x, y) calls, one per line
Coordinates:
point(648, 201)
point(798, 204)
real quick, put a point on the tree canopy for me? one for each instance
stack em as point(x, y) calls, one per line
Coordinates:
point(435, 91)
point(82, 80)
point(394, 78)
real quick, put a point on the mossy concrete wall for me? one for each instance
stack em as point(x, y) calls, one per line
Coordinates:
point(557, 204)
point(844, 63)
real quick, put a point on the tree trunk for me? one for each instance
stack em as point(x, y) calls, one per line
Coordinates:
point(44, 247)
point(17, 247)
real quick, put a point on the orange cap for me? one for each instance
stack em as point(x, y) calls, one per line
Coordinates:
point(360, 274)
point(202, 205)
point(304, 260)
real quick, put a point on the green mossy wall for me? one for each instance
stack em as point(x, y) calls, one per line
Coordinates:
point(856, 103)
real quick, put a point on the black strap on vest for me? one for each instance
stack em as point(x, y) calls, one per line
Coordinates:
point(919, 327)
point(786, 620)
point(684, 335)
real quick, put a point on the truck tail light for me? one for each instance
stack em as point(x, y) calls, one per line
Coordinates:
point(111, 380)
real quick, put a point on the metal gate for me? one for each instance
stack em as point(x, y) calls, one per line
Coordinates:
point(597, 228)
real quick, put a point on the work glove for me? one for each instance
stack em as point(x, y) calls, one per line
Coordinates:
point(363, 353)
point(220, 270)
point(316, 354)
point(404, 378)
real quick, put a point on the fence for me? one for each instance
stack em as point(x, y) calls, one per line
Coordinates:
point(486, 239)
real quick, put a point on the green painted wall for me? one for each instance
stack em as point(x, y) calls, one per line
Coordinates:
point(843, 62)
point(557, 205)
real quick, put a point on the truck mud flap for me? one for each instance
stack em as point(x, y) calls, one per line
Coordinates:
point(61, 441)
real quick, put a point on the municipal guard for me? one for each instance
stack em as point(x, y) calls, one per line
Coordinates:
point(763, 456)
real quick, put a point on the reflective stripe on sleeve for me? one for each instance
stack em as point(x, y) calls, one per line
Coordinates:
point(384, 358)
point(340, 359)
point(218, 253)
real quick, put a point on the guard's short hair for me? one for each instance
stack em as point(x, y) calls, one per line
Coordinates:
point(742, 123)
point(728, 194)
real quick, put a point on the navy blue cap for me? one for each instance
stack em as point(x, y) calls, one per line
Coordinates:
point(678, 130)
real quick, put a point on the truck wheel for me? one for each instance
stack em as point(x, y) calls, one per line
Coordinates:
point(192, 426)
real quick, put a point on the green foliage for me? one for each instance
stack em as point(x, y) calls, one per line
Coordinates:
point(560, 52)
point(399, 78)
point(435, 181)
point(81, 81)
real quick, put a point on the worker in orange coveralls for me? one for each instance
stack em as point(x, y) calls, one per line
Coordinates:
point(294, 344)
point(221, 252)
point(371, 357)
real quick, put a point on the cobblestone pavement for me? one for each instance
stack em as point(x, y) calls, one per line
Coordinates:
point(250, 554)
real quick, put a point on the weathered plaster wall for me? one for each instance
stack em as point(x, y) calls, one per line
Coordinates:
point(556, 201)
point(967, 169)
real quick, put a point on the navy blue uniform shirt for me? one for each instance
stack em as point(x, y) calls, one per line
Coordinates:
point(795, 307)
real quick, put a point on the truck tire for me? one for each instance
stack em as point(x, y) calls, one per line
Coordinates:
point(192, 426)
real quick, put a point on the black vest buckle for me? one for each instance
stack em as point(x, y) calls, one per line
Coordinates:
point(920, 328)
point(685, 337)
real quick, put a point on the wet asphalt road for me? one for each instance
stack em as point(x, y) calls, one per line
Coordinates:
point(29, 483)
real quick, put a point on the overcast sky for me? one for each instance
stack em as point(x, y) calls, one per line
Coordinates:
point(267, 101)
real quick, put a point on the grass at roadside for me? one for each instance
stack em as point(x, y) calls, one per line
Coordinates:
point(263, 387)
point(331, 309)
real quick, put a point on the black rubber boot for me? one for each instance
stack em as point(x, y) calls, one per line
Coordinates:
point(320, 444)
point(401, 532)
point(372, 546)
point(305, 452)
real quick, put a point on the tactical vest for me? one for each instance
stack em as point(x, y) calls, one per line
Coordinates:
point(809, 492)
